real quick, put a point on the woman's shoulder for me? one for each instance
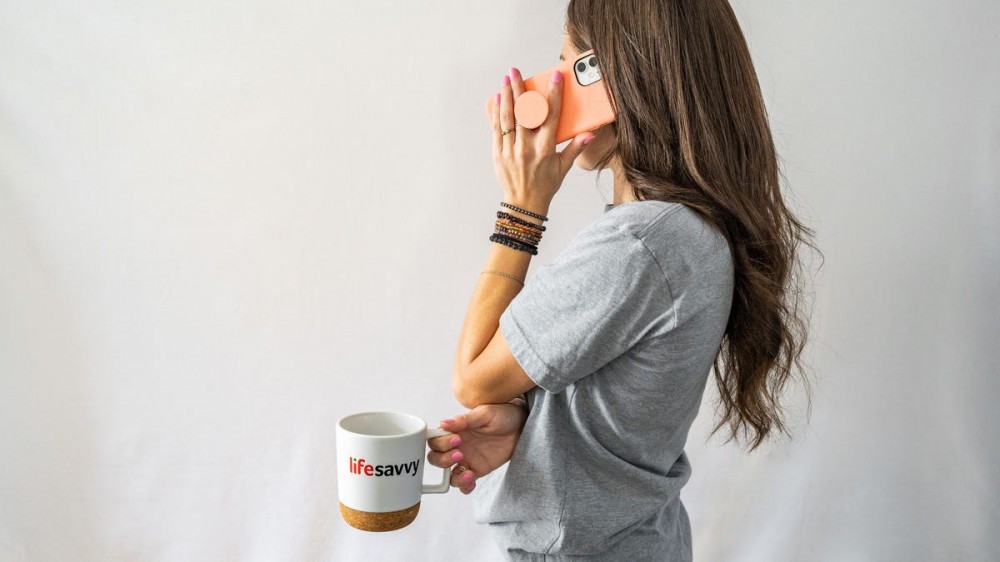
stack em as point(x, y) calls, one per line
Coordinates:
point(629, 221)
point(658, 222)
point(635, 216)
point(672, 233)
point(682, 241)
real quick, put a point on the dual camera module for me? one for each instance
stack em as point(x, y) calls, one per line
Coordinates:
point(586, 70)
point(582, 65)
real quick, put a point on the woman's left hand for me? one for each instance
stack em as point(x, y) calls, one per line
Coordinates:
point(526, 162)
point(488, 435)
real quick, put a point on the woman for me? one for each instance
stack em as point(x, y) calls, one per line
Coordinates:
point(611, 345)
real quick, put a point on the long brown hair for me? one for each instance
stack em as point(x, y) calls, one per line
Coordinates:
point(691, 127)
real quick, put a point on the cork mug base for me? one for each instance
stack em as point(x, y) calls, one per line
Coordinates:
point(378, 522)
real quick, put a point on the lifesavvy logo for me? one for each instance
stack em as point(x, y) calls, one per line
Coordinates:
point(358, 466)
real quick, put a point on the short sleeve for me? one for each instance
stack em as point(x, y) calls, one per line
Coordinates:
point(603, 294)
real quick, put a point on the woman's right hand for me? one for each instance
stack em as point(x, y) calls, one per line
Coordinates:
point(484, 439)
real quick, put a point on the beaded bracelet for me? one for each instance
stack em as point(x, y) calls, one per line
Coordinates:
point(500, 239)
point(515, 241)
point(521, 224)
point(526, 231)
point(509, 242)
point(512, 218)
point(520, 230)
point(524, 211)
point(526, 234)
point(517, 236)
point(521, 236)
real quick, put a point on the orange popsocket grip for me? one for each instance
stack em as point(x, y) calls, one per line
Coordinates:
point(530, 109)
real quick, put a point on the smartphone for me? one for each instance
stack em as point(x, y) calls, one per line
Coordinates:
point(585, 103)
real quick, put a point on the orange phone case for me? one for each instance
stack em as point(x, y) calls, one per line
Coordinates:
point(585, 104)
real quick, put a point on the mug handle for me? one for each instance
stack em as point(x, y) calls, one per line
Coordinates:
point(445, 484)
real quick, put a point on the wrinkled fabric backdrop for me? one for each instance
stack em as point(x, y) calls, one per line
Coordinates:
point(224, 225)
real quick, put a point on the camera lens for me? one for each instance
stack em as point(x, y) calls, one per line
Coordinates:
point(581, 67)
point(593, 61)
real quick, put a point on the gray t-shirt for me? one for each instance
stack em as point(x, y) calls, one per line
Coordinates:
point(619, 333)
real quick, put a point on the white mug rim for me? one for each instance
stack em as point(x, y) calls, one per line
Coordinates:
point(423, 425)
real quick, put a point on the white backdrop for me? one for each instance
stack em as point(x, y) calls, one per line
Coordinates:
point(223, 225)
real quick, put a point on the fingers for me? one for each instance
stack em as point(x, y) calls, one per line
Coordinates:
point(494, 111)
point(445, 442)
point(489, 110)
point(473, 419)
point(548, 129)
point(444, 459)
point(461, 477)
point(464, 480)
point(516, 82)
point(516, 88)
point(458, 424)
point(506, 114)
point(573, 149)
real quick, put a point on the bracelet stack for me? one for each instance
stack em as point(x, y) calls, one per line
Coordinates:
point(526, 212)
point(518, 233)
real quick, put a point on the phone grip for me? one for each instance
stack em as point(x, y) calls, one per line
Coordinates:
point(445, 484)
point(531, 109)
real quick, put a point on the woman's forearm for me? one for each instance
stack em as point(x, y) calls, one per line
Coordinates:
point(490, 299)
point(491, 296)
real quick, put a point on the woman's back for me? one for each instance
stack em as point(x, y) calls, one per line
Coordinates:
point(619, 332)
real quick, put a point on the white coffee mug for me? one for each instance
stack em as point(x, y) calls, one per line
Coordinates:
point(380, 469)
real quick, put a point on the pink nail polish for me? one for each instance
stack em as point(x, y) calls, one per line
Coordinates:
point(467, 477)
point(556, 76)
point(455, 441)
point(506, 80)
point(457, 456)
point(449, 420)
point(514, 72)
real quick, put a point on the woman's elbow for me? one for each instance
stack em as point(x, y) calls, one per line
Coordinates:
point(464, 393)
